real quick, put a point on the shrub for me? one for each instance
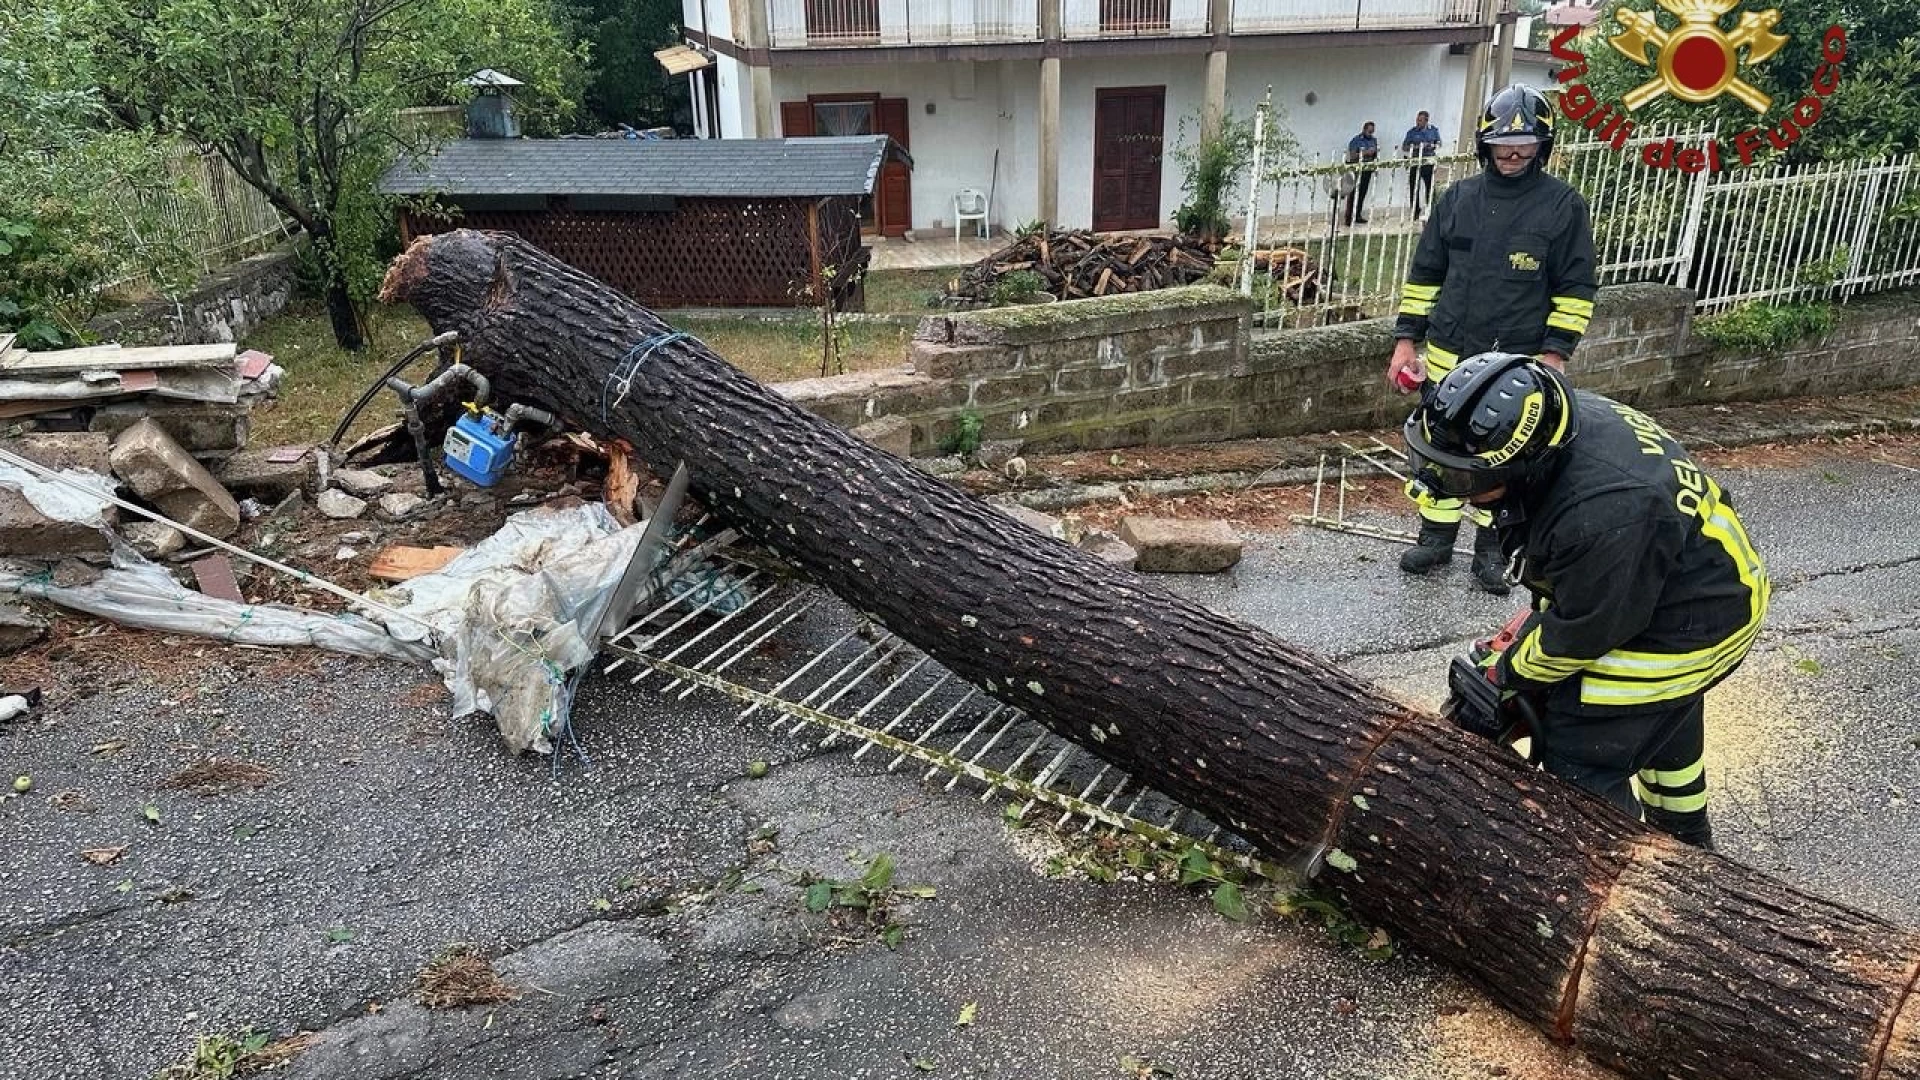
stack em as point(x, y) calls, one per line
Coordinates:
point(1753, 328)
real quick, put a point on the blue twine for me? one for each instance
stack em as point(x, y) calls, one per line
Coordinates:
point(629, 365)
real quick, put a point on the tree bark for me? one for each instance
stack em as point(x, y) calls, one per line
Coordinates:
point(1654, 958)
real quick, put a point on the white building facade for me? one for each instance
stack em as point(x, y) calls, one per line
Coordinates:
point(1069, 111)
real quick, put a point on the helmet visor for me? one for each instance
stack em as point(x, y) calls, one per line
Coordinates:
point(1512, 139)
point(1444, 481)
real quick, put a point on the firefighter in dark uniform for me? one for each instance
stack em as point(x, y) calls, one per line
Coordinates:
point(1646, 589)
point(1505, 262)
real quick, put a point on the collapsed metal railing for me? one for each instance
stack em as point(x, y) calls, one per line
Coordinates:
point(749, 629)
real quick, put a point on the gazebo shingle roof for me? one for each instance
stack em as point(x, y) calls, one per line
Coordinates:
point(709, 168)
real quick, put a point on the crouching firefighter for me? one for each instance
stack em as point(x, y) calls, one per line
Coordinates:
point(1646, 590)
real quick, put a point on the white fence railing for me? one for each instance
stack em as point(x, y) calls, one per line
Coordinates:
point(1300, 16)
point(1764, 233)
point(1132, 18)
point(799, 24)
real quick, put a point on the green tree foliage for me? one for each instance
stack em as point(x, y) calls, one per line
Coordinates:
point(301, 96)
point(1876, 109)
point(80, 204)
point(1216, 165)
point(627, 85)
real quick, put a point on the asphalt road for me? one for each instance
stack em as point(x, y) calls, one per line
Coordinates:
point(646, 907)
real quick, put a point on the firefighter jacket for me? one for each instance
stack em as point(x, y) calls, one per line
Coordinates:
point(1646, 588)
point(1504, 264)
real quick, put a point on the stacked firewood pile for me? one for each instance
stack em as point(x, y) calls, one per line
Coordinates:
point(1072, 264)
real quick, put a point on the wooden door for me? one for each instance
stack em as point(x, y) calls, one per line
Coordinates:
point(894, 207)
point(1128, 125)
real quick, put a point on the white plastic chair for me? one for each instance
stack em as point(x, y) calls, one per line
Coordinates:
point(970, 204)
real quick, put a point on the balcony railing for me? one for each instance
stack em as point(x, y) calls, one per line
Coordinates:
point(799, 24)
point(1306, 16)
point(1132, 18)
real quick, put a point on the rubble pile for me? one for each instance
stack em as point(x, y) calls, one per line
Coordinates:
point(200, 394)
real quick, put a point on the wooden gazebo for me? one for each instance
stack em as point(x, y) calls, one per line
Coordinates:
point(670, 222)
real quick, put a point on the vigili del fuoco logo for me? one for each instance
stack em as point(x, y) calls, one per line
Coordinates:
point(1696, 60)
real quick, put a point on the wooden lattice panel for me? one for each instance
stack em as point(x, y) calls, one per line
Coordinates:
point(705, 252)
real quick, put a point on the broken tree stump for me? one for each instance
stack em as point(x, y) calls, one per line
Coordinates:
point(1655, 959)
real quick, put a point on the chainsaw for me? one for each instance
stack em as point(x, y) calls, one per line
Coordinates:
point(1475, 703)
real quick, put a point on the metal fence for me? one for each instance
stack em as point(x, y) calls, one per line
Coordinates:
point(1339, 236)
point(220, 217)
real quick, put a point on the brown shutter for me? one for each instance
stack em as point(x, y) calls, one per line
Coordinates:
point(796, 118)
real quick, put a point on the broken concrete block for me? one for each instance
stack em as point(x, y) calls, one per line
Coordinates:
point(894, 434)
point(339, 505)
point(399, 504)
point(24, 530)
point(1175, 546)
point(1044, 524)
point(153, 539)
point(364, 483)
point(1108, 548)
point(254, 474)
point(163, 474)
point(19, 628)
point(202, 429)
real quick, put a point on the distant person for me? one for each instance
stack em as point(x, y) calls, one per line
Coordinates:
point(1422, 143)
point(1362, 149)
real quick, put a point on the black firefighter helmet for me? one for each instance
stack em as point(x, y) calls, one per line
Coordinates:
point(1516, 114)
point(1493, 419)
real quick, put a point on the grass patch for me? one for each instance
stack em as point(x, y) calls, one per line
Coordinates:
point(780, 352)
point(906, 291)
point(221, 1057)
point(323, 380)
point(459, 976)
point(1755, 328)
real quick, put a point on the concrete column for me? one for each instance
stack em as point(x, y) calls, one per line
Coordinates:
point(1050, 140)
point(1503, 55)
point(1213, 108)
point(1478, 61)
point(765, 124)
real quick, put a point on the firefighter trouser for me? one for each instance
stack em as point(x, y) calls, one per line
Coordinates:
point(1662, 746)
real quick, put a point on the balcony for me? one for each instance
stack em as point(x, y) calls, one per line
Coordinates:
point(1133, 18)
point(1308, 16)
point(801, 24)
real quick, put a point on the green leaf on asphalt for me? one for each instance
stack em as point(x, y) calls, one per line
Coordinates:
point(601, 903)
point(967, 1014)
point(924, 1064)
point(879, 873)
point(151, 813)
point(924, 892)
point(819, 895)
point(893, 935)
point(339, 935)
point(1808, 664)
point(1229, 901)
point(1197, 867)
point(125, 886)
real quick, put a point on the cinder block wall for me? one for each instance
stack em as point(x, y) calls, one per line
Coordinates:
point(227, 305)
point(1181, 365)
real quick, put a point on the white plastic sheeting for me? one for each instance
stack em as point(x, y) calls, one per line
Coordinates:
point(60, 501)
point(135, 592)
point(512, 615)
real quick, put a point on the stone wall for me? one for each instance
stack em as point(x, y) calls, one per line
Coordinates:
point(1181, 365)
point(226, 305)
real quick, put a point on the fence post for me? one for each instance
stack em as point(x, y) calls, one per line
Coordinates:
point(1869, 217)
point(1690, 224)
point(1252, 230)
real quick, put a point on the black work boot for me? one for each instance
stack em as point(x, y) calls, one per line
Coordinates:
point(1489, 562)
point(1688, 827)
point(1433, 549)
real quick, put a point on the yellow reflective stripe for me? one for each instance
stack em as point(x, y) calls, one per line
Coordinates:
point(1420, 292)
point(1439, 362)
point(1415, 307)
point(1674, 778)
point(1561, 321)
point(1663, 677)
point(1573, 305)
point(1571, 314)
point(1532, 662)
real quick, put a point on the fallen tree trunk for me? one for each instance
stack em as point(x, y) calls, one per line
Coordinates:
point(1653, 958)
